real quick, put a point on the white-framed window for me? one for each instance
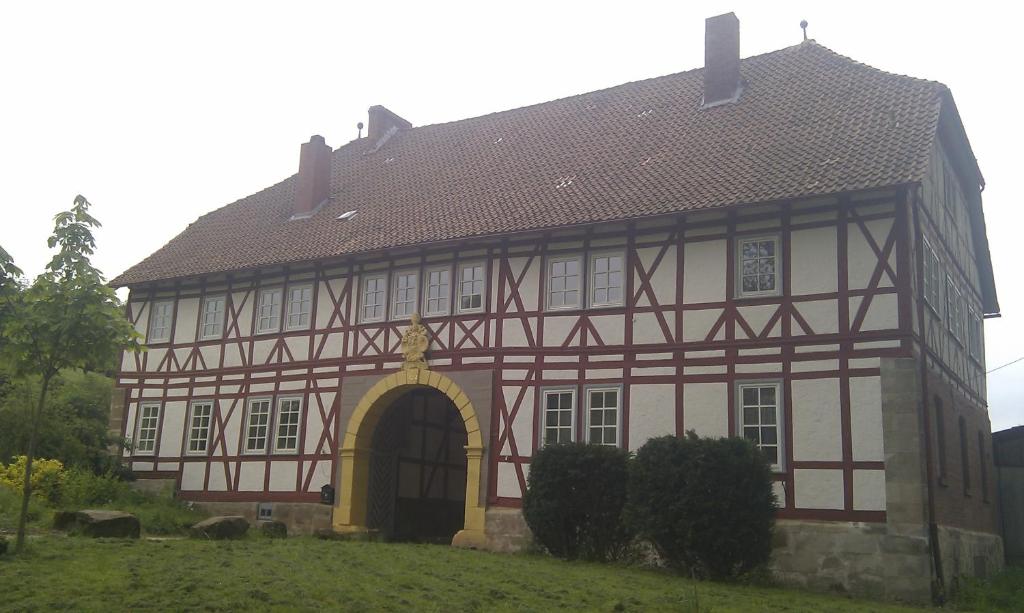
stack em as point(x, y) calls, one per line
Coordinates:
point(404, 294)
point(559, 416)
point(471, 288)
point(289, 411)
point(199, 427)
point(257, 425)
point(374, 297)
point(604, 406)
point(954, 310)
point(160, 316)
point(975, 333)
point(300, 306)
point(145, 435)
point(759, 266)
point(212, 324)
point(268, 311)
point(437, 291)
point(760, 418)
point(606, 279)
point(563, 283)
point(932, 277)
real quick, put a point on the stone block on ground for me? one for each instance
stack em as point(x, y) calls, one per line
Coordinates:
point(65, 520)
point(115, 524)
point(273, 529)
point(218, 528)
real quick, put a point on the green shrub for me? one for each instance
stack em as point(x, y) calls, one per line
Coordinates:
point(706, 505)
point(47, 476)
point(1002, 592)
point(3, 545)
point(10, 508)
point(574, 500)
point(83, 489)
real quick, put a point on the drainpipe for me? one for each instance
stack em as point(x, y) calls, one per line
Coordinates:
point(938, 587)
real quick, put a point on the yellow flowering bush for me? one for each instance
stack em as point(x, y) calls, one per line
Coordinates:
point(47, 476)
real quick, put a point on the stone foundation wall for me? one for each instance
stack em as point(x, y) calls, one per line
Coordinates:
point(865, 559)
point(300, 517)
point(506, 530)
point(968, 554)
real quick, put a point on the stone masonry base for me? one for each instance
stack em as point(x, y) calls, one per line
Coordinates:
point(300, 517)
point(865, 559)
point(968, 554)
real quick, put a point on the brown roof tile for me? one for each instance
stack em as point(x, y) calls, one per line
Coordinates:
point(809, 122)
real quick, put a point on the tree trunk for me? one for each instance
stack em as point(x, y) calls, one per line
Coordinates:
point(27, 490)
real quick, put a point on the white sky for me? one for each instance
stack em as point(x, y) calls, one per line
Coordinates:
point(159, 113)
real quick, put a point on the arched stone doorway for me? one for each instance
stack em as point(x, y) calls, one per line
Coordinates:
point(352, 510)
point(417, 487)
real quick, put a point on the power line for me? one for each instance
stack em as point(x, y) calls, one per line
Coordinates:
point(1004, 365)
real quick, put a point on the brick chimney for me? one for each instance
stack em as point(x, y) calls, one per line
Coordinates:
point(383, 125)
point(722, 82)
point(313, 184)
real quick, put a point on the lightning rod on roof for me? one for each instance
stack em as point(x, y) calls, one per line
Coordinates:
point(803, 26)
point(359, 126)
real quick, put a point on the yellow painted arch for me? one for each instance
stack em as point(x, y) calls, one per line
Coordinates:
point(351, 506)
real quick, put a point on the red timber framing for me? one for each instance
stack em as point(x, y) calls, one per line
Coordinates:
point(734, 346)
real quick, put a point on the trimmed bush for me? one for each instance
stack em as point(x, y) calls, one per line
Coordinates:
point(705, 504)
point(575, 498)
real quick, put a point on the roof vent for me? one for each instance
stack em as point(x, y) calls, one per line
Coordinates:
point(347, 215)
point(722, 83)
point(313, 183)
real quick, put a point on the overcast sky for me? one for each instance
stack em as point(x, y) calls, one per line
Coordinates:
point(159, 113)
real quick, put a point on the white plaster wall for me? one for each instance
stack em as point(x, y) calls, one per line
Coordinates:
point(646, 328)
point(244, 311)
point(298, 346)
point(757, 318)
point(513, 333)
point(192, 475)
point(250, 478)
point(218, 478)
point(210, 355)
point(705, 409)
point(314, 423)
point(861, 258)
point(556, 329)
point(282, 475)
point(233, 355)
point(697, 324)
point(173, 428)
point(261, 350)
point(187, 317)
point(233, 425)
point(817, 431)
point(652, 412)
point(321, 475)
point(882, 313)
point(508, 483)
point(140, 310)
point(663, 280)
point(821, 315)
point(612, 328)
point(522, 424)
point(869, 490)
point(818, 488)
point(704, 271)
point(529, 289)
point(866, 419)
point(814, 266)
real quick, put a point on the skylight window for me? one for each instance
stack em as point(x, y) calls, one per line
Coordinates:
point(347, 215)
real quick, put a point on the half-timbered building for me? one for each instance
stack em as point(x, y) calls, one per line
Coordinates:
point(788, 247)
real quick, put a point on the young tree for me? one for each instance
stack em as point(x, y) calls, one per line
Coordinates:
point(67, 318)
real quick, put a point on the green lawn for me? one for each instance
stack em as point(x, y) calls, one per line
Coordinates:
point(62, 573)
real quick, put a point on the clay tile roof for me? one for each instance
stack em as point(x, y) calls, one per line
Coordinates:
point(808, 122)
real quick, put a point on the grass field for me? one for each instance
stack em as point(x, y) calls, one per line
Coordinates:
point(61, 573)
